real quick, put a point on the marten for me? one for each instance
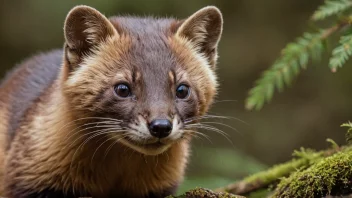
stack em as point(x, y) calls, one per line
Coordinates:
point(105, 116)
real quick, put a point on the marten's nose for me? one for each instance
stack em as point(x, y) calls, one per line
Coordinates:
point(160, 128)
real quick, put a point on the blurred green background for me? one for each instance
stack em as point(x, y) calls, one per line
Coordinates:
point(254, 33)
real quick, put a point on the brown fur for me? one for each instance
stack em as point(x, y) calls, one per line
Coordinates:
point(3, 143)
point(49, 152)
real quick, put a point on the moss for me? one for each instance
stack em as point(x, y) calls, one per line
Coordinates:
point(259, 193)
point(203, 192)
point(331, 175)
point(304, 158)
point(310, 174)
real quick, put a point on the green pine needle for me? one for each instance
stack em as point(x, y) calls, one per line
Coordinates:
point(295, 57)
point(349, 132)
point(330, 8)
point(341, 53)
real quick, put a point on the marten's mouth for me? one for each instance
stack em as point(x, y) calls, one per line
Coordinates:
point(153, 148)
point(151, 144)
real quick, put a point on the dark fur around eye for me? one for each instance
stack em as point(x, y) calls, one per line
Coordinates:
point(122, 90)
point(183, 91)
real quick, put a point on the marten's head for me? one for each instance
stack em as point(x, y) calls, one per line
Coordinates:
point(145, 77)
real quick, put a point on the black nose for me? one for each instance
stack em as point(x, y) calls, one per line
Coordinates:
point(160, 128)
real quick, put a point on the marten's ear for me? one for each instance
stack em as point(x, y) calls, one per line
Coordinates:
point(204, 30)
point(85, 28)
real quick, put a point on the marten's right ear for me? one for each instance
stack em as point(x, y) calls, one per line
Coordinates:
point(203, 29)
point(85, 28)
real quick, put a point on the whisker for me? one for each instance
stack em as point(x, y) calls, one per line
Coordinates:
point(200, 125)
point(109, 148)
point(205, 117)
point(195, 133)
point(79, 147)
point(87, 134)
point(93, 123)
point(212, 128)
point(157, 160)
point(133, 151)
point(168, 157)
point(95, 131)
point(84, 142)
point(222, 124)
point(86, 118)
point(102, 145)
point(212, 116)
point(220, 101)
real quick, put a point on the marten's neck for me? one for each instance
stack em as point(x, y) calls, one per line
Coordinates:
point(62, 146)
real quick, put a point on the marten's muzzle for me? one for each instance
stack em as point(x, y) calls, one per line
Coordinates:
point(160, 128)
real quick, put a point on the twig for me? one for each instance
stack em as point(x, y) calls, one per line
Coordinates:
point(271, 176)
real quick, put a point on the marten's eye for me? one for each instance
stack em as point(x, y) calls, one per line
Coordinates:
point(182, 91)
point(122, 90)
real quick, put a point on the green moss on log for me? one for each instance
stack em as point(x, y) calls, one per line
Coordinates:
point(304, 158)
point(203, 192)
point(332, 175)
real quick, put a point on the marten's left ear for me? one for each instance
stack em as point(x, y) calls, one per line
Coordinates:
point(85, 28)
point(204, 30)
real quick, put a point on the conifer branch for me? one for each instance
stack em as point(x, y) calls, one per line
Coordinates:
point(330, 8)
point(341, 53)
point(294, 57)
